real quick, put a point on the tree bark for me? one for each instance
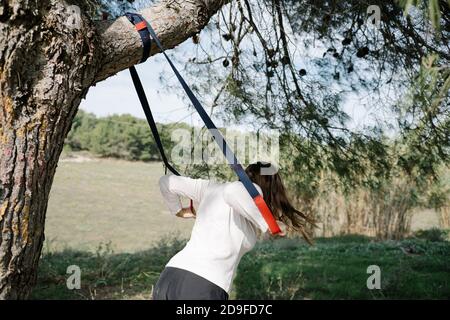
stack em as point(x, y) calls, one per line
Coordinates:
point(173, 22)
point(46, 68)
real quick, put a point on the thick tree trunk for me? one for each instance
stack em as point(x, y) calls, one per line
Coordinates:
point(46, 68)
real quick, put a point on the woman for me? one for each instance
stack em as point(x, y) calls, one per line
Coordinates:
point(226, 227)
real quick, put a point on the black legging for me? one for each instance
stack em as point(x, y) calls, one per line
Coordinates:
point(179, 284)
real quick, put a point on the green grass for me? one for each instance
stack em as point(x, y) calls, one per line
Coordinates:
point(104, 275)
point(334, 268)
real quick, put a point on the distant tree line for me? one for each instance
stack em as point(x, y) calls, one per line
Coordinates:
point(117, 136)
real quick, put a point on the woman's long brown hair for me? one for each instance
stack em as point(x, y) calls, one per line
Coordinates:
point(274, 194)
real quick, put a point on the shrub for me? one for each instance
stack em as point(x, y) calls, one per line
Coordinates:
point(433, 235)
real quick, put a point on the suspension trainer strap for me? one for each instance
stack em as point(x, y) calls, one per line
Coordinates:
point(228, 153)
point(151, 121)
point(141, 27)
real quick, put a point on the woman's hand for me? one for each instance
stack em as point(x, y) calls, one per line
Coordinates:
point(283, 228)
point(268, 235)
point(187, 213)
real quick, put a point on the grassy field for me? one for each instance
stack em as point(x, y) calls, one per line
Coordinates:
point(97, 201)
point(107, 217)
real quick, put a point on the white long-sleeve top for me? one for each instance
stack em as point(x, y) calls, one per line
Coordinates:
point(224, 230)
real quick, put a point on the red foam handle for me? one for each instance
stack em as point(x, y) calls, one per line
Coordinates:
point(267, 214)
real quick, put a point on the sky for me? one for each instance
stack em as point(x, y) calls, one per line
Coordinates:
point(117, 95)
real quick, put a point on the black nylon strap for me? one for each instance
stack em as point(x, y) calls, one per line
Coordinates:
point(228, 153)
point(145, 35)
point(151, 121)
point(146, 42)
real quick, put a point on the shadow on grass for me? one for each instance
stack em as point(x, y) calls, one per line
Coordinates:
point(104, 275)
point(335, 268)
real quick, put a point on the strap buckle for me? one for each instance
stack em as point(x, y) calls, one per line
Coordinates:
point(141, 26)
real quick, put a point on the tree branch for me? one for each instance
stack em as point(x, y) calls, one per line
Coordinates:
point(173, 21)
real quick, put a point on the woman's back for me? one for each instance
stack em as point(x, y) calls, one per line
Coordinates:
point(225, 227)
